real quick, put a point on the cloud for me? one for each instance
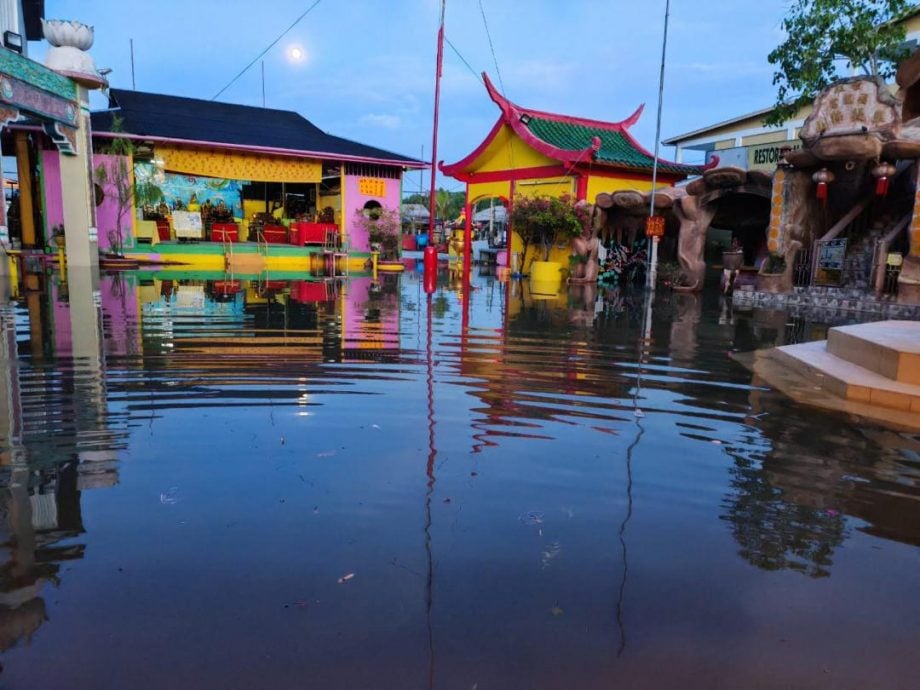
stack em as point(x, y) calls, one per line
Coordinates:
point(381, 120)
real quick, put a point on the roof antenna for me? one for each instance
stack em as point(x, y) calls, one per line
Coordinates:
point(133, 83)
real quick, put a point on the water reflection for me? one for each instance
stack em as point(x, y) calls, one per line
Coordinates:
point(520, 483)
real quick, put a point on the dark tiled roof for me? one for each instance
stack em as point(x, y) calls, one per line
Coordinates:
point(195, 120)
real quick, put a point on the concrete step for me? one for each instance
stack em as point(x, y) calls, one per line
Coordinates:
point(845, 379)
point(888, 348)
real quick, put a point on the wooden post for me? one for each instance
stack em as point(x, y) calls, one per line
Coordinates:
point(26, 197)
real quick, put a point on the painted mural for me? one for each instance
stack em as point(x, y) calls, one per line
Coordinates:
point(178, 189)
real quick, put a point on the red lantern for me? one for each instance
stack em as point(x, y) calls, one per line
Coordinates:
point(822, 178)
point(882, 174)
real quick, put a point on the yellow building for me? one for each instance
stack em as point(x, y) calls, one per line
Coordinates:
point(535, 153)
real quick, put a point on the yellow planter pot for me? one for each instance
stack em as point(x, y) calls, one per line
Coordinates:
point(545, 278)
point(546, 272)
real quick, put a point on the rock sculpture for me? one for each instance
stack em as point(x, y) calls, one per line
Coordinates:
point(585, 248)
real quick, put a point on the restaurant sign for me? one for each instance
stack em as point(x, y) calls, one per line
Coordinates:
point(767, 156)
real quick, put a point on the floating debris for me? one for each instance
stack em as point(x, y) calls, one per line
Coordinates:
point(170, 496)
point(532, 517)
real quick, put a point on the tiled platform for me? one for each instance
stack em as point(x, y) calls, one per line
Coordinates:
point(874, 367)
point(889, 348)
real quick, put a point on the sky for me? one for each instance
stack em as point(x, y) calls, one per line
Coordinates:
point(369, 66)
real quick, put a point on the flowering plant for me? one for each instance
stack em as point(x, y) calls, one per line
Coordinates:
point(382, 226)
point(545, 220)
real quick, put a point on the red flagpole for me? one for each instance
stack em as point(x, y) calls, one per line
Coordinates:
point(431, 253)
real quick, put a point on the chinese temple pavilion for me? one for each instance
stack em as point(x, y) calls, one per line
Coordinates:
point(537, 153)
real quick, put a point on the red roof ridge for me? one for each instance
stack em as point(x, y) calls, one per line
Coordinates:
point(512, 112)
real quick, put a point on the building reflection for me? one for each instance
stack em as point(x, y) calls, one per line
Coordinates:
point(57, 438)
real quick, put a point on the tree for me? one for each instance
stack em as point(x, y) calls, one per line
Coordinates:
point(447, 204)
point(865, 35)
point(117, 180)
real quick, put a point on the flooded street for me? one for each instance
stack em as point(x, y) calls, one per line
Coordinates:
point(287, 484)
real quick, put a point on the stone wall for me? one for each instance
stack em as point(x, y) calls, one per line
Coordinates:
point(834, 303)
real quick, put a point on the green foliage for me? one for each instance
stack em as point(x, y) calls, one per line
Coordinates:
point(448, 205)
point(865, 34)
point(545, 220)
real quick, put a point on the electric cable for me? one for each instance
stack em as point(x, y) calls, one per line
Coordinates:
point(269, 47)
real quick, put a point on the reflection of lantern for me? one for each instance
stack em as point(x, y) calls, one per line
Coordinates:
point(882, 174)
point(822, 178)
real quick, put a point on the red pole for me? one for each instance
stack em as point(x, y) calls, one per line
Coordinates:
point(467, 245)
point(508, 229)
point(431, 254)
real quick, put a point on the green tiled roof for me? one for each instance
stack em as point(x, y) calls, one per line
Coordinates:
point(616, 148)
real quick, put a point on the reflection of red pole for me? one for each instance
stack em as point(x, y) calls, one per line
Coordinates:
point(429, 472)
point(431, 254)
point(432, 448)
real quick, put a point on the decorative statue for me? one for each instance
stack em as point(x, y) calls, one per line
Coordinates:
point(694, 221)
point(585, 247)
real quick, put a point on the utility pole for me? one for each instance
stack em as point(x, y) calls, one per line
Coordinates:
point(652, 273)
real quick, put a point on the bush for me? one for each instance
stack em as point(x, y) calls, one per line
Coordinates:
point(383, 226)
point(544, 221)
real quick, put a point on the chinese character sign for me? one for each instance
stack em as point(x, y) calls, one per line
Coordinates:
point(654, 226)
point(369, 186)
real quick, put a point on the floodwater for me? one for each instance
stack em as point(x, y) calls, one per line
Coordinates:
point(307, 485)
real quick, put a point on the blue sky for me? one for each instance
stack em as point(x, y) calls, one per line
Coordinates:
point(369, 69)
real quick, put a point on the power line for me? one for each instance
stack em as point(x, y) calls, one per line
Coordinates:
point(485, 23)
point(269, 47)
point(463, 59)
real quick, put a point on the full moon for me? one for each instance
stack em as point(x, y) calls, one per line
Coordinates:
point(296, 53)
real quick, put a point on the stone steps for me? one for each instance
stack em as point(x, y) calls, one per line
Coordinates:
point(875, 363)
point(888, 348)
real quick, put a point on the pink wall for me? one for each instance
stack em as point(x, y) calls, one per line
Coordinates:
point(354, 200)
point(54, 204)
point(51, 181)
point(107, 211)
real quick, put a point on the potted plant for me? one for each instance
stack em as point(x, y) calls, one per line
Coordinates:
point(382, 226)
point(544, 222)
point(327, 215)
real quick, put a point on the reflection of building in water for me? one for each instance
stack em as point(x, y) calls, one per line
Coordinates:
point(55, 441)
point(202, 322)
point(798, 477)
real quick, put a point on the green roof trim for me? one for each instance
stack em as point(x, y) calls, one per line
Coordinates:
point(616, 148)
point(36, 74)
